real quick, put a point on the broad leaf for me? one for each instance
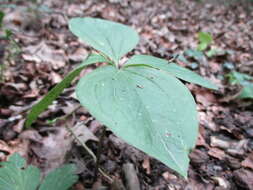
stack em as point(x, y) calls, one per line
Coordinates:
point(12, 177)
point(60, 179)
point(148, 108)
point(57, 90)
point(112, 39)
point(172, 68)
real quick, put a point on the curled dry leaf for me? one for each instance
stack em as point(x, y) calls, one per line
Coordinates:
point(221, 182)
point(198, 157)
point(243, 178)
point(216, 142)
point(169, 177)
point(205, 97)
point(248, 162)
point(79, 55)
point(83, 132)
point(56, 78)
point(19, 145)
point(43, 53)
point(52, 149)
point(217, 153)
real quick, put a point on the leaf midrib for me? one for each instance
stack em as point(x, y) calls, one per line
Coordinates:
point(136, 73)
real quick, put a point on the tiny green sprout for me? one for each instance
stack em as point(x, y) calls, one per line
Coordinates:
point(205, 39)
point(245, 81)
point(142, 102)
point(1, 18)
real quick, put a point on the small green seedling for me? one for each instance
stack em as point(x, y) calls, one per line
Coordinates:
point(16, 175)
point(245, 81)
point(142, 101)
point(1, 18)
point(205, 39)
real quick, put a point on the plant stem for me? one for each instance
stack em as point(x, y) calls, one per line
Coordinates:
point(99, 151)
point(96, 160)
point(82, 143)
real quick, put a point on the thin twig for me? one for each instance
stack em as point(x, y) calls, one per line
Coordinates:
point(109, 179)
point(69, 114)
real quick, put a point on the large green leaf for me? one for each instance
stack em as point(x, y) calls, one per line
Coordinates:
point(172, 68)
point(148, 108)
point(57, 90)
point(60, 179)
point(13, 177)
point(112, 39)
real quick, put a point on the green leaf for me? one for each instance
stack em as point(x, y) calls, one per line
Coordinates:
point(12, 177)
point(57, 90)
point(172, 68)
point(239, 78)
point(197, 55)
point(246, 81)
point(15, 176)
point(60, 179)
point(31, 178)
point(212, 52)
point(142, 106)
point(205, 39)
point(247, 91)
point(112, 39)
point(17, 160)
point(1, 18)
point(44, 9)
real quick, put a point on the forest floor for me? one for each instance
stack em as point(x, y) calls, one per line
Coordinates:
point(42, 51)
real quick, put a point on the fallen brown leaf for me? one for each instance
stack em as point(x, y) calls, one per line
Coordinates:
point(217, 153)
point(248, 162)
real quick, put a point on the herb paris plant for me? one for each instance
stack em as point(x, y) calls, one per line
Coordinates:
point(143, 102)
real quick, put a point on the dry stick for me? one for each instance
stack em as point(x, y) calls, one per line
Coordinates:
point(108, 178)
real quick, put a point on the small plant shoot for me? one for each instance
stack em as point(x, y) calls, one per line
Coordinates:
point(243, 80)
point(205, 39)
point(142, 102)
